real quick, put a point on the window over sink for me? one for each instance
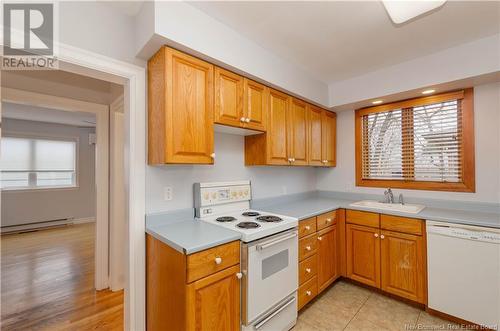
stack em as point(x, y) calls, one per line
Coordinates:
point(424, 143)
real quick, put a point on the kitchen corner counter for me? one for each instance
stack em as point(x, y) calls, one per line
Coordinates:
point(315, 203)
point(189, 235)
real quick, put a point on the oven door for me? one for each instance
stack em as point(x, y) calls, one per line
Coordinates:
point(271, 273)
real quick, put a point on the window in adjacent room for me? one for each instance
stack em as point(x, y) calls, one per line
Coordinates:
point(31, 163)
point(425, 143)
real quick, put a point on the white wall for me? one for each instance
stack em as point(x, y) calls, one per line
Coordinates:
point(487, 119)
point(21, 207)
point(229, 165)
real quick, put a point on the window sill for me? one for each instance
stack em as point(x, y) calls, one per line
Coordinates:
point(41, 189)
point(413, 185)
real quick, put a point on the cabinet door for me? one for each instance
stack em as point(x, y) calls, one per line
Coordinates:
point(277, 128)
point(363, 254)
point(255, 105)
point(189, 111)
point(213, 302)
point(297, 128)
point(329, 133)
point(327, 257)
point(228, 98)
point(315, 139)
point(402, 261)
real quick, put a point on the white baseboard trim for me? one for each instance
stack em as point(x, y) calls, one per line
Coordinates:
point(45, 225)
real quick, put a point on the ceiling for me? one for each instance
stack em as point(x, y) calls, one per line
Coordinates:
point(129, 8)
point(339, 40)
point(39, 114)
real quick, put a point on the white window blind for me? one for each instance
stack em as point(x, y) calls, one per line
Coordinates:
point(419, 143)
point(37, 163)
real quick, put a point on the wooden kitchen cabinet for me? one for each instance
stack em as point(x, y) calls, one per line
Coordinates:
point(228, 98)
point(363, 254)
point(196, 292)
point(329, 139)
point(328, 269)
point(315, 139)
point(403, 265)
point(180, 108)
point(255, 105)
point(213, 302)
point(297, 132)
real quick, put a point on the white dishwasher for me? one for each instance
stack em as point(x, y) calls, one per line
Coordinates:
point(464, 272)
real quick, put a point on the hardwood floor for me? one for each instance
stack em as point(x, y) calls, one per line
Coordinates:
point(47, 282)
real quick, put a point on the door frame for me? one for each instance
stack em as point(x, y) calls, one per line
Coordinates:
point(17, 96)
point(133, 79)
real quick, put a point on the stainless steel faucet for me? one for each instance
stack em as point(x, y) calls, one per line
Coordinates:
point(401, 200)
point(389, 197)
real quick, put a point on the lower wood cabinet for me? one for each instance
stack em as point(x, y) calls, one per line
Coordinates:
point(391, 256)
point(197, 292)
point(363, 254)
point(403, 265)
point(328, 269)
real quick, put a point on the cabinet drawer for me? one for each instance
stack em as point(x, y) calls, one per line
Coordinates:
point(307, 292)
point(307, 227)
point(401, 224)
point(362, 218)
point(308, 269)
point(210, 261)
point(326, 219)
point(307, 246)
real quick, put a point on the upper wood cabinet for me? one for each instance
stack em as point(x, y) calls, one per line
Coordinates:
point(297, 132)
point(255, 104)
point(363, 254)
point(181, 108)
point(315, 140)
point(228, 98)
point(329, 138)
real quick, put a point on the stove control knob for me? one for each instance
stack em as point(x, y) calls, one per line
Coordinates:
point(206, 195)
point(218, 260)
point(308, 270)
point(308, 293)
point(214, 195)
point(239, 275)
point(308, 248)
point(240, 193)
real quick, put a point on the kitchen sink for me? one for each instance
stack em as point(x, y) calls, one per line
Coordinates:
point(406, 208)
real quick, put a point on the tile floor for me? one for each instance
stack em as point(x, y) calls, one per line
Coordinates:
point(349, 307)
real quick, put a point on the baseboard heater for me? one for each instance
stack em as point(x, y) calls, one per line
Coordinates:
point(42, 225)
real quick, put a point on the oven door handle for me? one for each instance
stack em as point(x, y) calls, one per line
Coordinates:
point(276, 241)
point(274, 313)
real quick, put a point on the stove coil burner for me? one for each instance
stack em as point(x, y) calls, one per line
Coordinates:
point(247, 225)
point(269, 219)
point(225, 219)
point(250, 213)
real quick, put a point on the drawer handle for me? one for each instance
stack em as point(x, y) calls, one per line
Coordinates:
point(276, 241)
point(239, 275)
point(308, 293)
point(218, 260)
point(308, 270)
point(276, 312)
point(375, 235)
point(382, 236)
point(320, 238)
point(308, 248)
point(308, 227)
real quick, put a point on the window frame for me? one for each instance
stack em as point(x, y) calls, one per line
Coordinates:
point(467, 147)
point(74, 139)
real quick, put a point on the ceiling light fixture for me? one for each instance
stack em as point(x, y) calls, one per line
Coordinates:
point(402, 11)
point(376, 102)
point(428, 91)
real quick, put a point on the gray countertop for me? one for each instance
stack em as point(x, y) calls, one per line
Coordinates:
point(180, 230)
point(188, 235)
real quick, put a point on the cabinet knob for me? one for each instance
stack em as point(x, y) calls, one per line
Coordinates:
point(382, 236)
point(328, 220)
point(212, 155)
point(308, 270)
point(218, 260)
point(308, 227)
point(239, 275)
point(247, 120)
point(376, 235)
point(242, 119)
point(308, 248)
point(308, 293)
point(293, 159)
point(325, 161)
point(320, 238)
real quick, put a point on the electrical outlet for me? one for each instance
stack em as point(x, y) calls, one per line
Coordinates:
point(167, 193)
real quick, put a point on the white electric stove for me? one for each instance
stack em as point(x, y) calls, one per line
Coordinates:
point(269, 253)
